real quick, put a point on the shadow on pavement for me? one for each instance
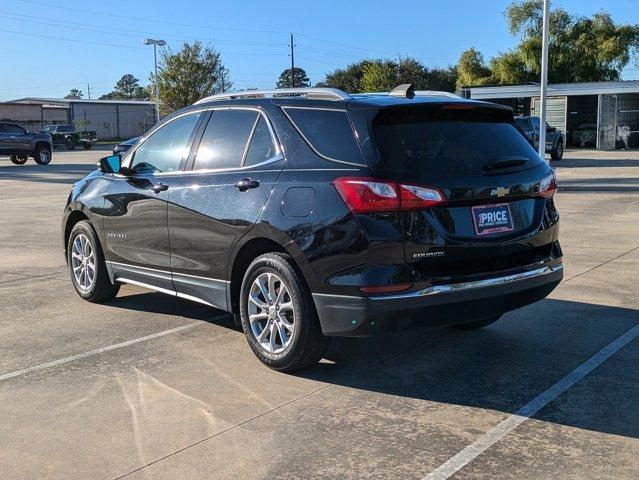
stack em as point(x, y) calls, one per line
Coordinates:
point(52, 173)
point(596, 162)
point(504, 366)
point(589, 185)
point(501, 367)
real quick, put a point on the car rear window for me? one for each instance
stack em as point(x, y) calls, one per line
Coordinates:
point(328, 132)
point(455, 140)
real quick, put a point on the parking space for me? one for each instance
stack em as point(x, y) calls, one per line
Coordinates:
point(148, 386)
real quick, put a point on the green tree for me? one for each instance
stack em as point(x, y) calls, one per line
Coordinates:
point(472, 69)
point(581, 49)
point(347, 79)
point(386, 74)
point(379, 76)
point(286, 79)
point(74, 93)
point(188, 75)
point(127, 88)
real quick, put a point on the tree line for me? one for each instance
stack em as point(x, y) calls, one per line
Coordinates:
point(581, 49)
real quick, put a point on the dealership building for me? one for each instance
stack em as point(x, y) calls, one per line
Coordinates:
point(109, 118)
point(603, 115)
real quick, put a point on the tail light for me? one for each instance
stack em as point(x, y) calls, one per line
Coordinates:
point(548, 185)
point(366, 195)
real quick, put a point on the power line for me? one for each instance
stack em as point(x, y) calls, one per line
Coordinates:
point(110, 30)
point(142, 19)
point(88, 42)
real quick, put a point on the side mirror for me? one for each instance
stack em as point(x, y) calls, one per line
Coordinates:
point(551, 129)
point(110, 164)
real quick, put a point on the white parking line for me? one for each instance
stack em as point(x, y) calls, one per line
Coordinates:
point(60, 361)
point(491, 437)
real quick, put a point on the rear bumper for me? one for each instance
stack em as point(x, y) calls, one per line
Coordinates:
point(455, 303)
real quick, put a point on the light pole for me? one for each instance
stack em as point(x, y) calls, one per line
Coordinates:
point(544, 81)
point(155, 43)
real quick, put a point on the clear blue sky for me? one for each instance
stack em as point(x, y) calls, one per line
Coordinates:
point(50, 46)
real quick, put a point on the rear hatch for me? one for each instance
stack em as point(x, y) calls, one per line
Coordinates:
point(492, 216)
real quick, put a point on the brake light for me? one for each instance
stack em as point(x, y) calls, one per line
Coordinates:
point(366, 195)
point(548, 185)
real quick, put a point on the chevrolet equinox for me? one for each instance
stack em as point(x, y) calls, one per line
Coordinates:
point(312, 213)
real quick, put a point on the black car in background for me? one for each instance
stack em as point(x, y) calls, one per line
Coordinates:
point(123, 147)
point(20, 144)
point(555, 141)
point(312, 213)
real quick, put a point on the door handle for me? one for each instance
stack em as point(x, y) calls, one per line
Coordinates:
point(246, 183)
point(159, 187)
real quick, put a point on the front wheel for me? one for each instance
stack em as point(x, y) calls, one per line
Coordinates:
point(87, 146)
point(558, 152)
point(70, 144)
point(86, 265)
point(18, 159)
point(42, 156)
point(278, 315)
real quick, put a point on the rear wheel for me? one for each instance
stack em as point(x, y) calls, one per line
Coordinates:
point(87, 146)
point(86, 265)
point(70, 144)
point(558, 152)
point(42, 155)
point(477, 324)
point(18, 159)
point(278, 315)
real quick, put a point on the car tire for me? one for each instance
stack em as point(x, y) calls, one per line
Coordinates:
point(83, 255)
point(87, 146)
point(477, 323)
point(70, 144)
point(18, 159)
point(42, 156)
point(281, 326)
point(557, 153)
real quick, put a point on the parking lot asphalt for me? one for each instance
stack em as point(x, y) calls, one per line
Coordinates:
point(149, 386)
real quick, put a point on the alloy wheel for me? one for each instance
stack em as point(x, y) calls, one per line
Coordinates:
point(271, 312)
point(83, 262)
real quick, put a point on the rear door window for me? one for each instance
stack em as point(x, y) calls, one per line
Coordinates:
point(13, 129)
point(225, 139)
point(328, 132)
point(424, 141)
point(261, 147)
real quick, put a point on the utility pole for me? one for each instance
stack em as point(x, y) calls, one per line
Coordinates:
point(88, 90)
point(544, 81)
point(156, 90)
point(292, 62)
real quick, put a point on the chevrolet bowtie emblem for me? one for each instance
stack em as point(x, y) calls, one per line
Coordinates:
point(500, 191)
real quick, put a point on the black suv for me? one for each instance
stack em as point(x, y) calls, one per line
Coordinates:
point(20, 144)
point(312, 213)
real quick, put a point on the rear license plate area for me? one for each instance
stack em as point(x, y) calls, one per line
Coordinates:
point(494, 218)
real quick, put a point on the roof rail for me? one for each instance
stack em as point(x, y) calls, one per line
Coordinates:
point(310, 93)
point(417, 93)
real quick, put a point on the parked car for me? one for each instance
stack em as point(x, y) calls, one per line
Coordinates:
point(67, 135)
point(123, 147)
point(585, 135)
point(312, 213)
point(554, 138)
point(20, 144)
